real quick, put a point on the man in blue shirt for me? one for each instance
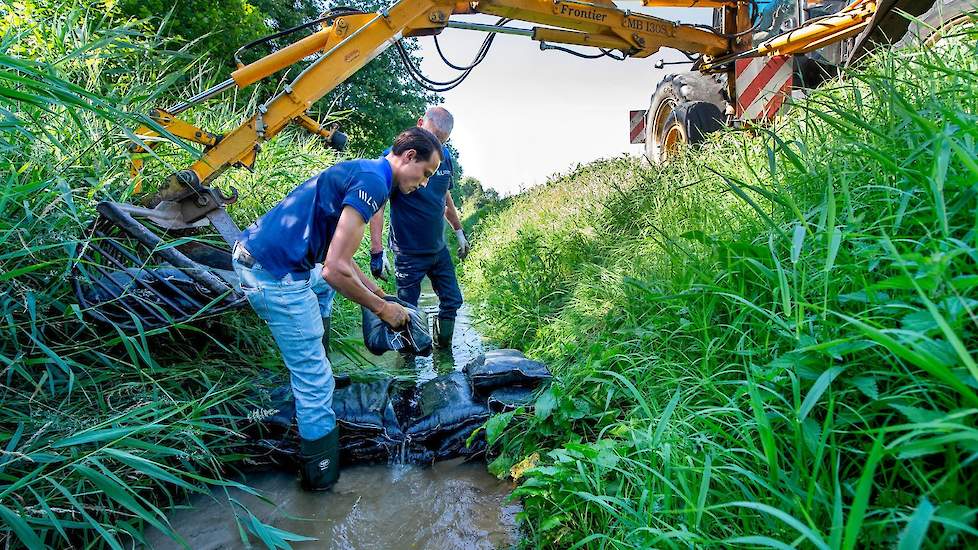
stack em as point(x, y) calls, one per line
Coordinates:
point(290, 260)
point(417, 235)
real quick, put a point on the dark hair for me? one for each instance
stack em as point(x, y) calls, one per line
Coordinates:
point(419, 139)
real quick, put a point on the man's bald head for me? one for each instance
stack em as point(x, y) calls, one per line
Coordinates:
point(438, 121)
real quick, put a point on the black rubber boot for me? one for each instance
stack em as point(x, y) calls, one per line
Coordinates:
point(444, 329)
point(326, 335)
point(319, 462)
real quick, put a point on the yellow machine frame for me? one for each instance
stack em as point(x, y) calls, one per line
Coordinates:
point(351, 40)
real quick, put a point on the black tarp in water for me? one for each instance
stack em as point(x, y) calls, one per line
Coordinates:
point(446, 413)
point(508, 399)
point(369, 428)
point(379, 337)
point(505, 368)
point(382, 422)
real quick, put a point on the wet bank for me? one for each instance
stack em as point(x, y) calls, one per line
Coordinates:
point(451, 505)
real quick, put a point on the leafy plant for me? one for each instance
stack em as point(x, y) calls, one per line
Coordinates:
point(768, 342)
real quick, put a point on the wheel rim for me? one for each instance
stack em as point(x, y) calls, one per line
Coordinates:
point(672, 140)
point(659, 120)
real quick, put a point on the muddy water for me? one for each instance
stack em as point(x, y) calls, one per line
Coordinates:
point(452, 505)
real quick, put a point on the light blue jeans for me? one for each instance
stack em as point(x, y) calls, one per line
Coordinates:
point(294, 309)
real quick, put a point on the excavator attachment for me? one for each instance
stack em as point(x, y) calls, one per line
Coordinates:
point(134, 273)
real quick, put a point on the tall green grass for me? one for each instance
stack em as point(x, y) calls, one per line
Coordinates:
point(770, 342)
point(101, 431)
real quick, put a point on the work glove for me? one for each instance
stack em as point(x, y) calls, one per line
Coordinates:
point(394, 314)
point(463, 244)
point(380, 268)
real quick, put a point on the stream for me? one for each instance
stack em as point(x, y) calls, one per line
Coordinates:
point(451, 505)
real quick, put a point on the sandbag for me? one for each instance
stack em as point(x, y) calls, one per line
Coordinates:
point(494, 354)
point(505, 368)
point(444, 405)
point(454, 444)
point(277, 414)
point(508, 399)
point(369, 429)
point(366, 408)
point(379, 337)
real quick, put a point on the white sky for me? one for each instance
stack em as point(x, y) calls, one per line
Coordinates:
point(525, 114)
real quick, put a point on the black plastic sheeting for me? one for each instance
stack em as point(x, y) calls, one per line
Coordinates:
point(505, 368)
point(379, 337)
point(446, 414)
point(384, 421)
point(508, 399)
point(164, 288)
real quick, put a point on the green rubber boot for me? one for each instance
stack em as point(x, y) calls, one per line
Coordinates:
point(326, 335)
point(319, 462)
point(444, 329)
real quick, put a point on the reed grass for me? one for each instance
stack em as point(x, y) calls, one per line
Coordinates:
point(768, 342)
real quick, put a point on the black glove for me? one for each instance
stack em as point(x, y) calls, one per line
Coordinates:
point(379, 267)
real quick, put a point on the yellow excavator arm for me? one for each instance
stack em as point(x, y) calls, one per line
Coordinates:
point(351, 40)
point(177, 281)
point(348, 40)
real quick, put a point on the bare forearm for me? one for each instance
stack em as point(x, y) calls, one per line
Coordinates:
point(377, 232)
point(368, 282)
point(347, 279)
point(451, 214)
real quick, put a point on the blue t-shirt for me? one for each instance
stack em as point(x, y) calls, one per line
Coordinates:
point(418, 218)
point(294, 236)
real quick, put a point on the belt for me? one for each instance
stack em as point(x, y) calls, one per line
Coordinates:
point(245, 259)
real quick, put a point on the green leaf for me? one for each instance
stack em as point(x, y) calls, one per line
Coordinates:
point(102, 435)
point(497, 425)
point(818, 388)
point(797, 241)
point(545, 404)
point(663, 422)
point(704, 489)
point(912, 536)
point(20, 528)
point(551, 522)
point(857, 512)
point(835, 239)
point(122, 495)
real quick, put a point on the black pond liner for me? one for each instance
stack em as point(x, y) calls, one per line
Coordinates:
point(125, 275)
point(379, 337)
point(508, 399)
point(505, 368)
point(384, 421)
point(447, 412)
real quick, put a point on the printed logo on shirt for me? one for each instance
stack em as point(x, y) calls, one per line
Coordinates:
point(368, 199)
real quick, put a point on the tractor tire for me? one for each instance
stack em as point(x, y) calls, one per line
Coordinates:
point(674, 91)
point(891, 27)
point(688, 124)
point(934, 23)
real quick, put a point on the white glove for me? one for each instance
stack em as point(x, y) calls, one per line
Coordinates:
point(463, 244)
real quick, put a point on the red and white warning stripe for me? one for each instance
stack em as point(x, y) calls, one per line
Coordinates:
point(636, 126)
point(763, 83)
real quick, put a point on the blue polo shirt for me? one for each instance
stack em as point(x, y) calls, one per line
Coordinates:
point(418, 218)
point(294, 235)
